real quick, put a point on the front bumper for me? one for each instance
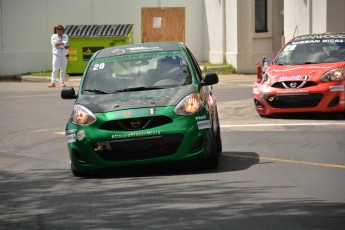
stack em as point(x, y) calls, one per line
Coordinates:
point(326, 97)
point(92, 148)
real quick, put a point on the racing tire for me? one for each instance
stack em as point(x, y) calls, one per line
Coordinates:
point(212, 160)
point(219, 140)
point(219, 137)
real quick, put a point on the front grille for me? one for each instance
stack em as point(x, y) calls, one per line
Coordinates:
point(138, 148)
point(296, 84)
point(79, 157)
point(294, 101)
point(334, 102)
point(135, 123)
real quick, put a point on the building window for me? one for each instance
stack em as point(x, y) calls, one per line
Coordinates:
point(261, 16)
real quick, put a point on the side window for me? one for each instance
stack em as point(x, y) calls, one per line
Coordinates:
point(196, 65)
point(261, 16)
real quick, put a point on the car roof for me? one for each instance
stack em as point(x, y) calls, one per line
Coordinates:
point(139, 48)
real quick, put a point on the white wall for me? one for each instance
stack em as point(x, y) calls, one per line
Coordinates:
point(214, 46)
point(26, 26)
point(313, 16)
point(244, 47)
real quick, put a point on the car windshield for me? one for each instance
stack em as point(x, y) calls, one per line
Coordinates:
point(311, 51)
point(137, 72)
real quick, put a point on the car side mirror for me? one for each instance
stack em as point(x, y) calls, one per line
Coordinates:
point(210, 79)
point(68, 93)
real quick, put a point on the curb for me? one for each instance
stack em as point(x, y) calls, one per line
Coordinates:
point(35, 78)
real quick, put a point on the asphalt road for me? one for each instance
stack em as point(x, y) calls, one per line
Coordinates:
point(285, 173)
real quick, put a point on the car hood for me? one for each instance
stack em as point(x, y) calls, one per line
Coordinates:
point(99, 103)
point(312, 71)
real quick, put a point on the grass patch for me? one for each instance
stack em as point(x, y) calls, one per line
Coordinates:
point(222, 70)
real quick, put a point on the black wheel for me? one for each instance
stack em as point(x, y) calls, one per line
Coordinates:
point(219, 137)
point(212, 160)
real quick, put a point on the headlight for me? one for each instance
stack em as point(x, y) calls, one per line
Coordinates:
point(82, 115)
point(188, 105)
point(333, 75)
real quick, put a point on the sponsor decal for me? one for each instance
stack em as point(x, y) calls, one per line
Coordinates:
point(305, 78)
point(136, 134)
point(319, 41)
point(204, 124)
point(294, 78)
point(118, 51)
point(292, 91)
point(71, 131)
point(336, 88)
point(200, 118)
point(143, 48)
point(89, 51)
point(72, 54)
point(134, 113)
point(134, 56)
point(71, 138)
point(80, 135)
point(322, 36)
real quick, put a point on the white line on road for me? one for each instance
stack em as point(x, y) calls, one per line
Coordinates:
point(276, 125)
point(249, 85)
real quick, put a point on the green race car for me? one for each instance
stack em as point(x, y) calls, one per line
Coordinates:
point(142, 104)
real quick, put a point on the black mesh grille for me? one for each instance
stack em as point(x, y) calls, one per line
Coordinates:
point(138, 149)
point(135, 123)
point(294, 100)
point(296, 85)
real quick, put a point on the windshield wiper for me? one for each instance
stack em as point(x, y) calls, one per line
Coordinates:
point(96, 91)
point(309, 62)
point(279, 63)
point(141, 88)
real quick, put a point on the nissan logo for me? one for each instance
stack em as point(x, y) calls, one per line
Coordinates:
point(135, 123)
point(293, 84)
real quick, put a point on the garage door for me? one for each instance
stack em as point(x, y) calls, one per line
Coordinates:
point(163, 24)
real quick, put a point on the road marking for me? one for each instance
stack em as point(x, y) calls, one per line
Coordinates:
point(264, 125)
point(286, 161)
point(28, 96)
point(290, 124)
point(59, 133)
point(249, 85)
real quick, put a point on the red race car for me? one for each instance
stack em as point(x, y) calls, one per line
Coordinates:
point(307, 75)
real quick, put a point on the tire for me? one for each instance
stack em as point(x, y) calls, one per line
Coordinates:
point(219, 136)
point(212, 160)
point(219, 140)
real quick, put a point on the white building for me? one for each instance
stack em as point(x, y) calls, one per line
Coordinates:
point(237, 32)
